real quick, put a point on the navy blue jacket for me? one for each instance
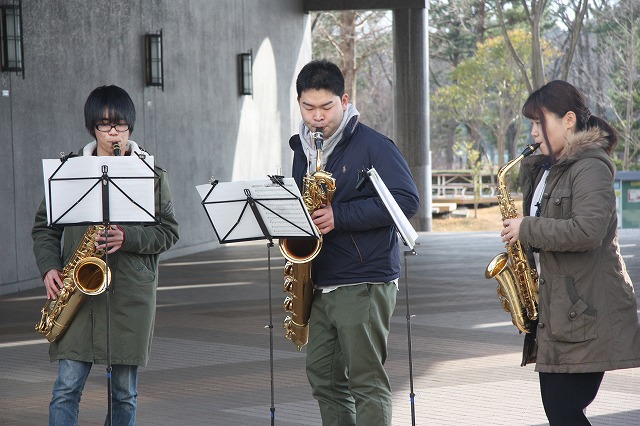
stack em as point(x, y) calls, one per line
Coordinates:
point(363, 247)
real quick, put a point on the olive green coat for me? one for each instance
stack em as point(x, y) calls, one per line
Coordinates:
point(588, 319)
point(134, 269)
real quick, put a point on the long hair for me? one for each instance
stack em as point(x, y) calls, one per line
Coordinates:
point(559, 97)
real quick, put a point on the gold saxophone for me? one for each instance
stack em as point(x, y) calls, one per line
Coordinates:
point(318, 189)
point(517, 282)
point(84, 275)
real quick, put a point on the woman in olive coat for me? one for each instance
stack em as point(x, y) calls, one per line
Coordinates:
point(588, 321)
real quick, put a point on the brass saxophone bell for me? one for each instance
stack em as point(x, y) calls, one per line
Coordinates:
point(91, 276)
point(300, 250)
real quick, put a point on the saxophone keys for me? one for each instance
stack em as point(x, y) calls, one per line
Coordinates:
point(287, 326)
point(288, 304)
point(288, 285)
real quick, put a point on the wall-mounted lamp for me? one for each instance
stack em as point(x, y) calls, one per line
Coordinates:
point(11, 46)
point(153, 55)
point(245, 73)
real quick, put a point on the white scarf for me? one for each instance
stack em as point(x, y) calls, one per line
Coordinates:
point(330, 143)
point(90, 148)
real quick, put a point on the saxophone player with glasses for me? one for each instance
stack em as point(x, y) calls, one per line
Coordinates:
point(133, 252)
point(587, 311)
point(356, 271)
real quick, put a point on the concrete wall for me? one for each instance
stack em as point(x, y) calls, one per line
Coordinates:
point(197, 128)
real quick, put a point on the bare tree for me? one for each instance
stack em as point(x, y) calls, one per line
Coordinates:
point(488, 91)
point(354, 39)
point(456, 28)
point(534, 11)
point(618, 48)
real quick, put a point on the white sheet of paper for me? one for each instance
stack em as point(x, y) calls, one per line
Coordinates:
point(409, 235)
point(226, 202)
point(78, 176)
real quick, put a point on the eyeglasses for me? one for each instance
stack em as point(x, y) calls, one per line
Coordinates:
point(120, 127)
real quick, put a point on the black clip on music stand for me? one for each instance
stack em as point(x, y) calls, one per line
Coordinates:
point(408, 236)
point(277, 211)
point(98, 187)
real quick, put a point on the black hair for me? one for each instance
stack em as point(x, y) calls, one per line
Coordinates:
point(319, 75)
point(559, 97)
point(111, 101)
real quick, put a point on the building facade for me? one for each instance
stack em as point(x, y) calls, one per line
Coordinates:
point(196, 123)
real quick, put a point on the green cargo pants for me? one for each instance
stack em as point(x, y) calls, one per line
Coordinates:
point(346, 352)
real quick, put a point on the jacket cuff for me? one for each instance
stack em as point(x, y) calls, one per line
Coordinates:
point(124, 235)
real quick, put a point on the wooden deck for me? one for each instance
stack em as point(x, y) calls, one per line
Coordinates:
point(463, 201)
point(456, 186)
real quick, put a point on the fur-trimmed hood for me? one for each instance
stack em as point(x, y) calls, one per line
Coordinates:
point(580, 142)
point(590, 143)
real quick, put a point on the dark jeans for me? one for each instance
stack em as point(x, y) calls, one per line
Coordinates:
point(565, 396)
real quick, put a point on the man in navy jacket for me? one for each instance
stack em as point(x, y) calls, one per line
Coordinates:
point(356, 273)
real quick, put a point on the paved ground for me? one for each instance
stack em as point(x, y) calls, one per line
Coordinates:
point(210, 363)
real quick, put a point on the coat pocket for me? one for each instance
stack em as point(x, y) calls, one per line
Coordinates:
point(560, 203)
point(135, 271)
point(571, 318)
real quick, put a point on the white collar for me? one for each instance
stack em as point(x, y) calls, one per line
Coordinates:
point(90, 148)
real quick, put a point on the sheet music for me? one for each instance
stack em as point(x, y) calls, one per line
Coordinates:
point(73, 192)
point(286, 218)
point(408, 234)
point(278, 205)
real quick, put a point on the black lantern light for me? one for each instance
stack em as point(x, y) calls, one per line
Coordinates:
point(153, 55)
point(11, 45)
point(245, 73)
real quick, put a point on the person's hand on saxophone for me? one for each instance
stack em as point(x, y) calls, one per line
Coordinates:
point(53, 283)
point(323, 218)
point(511, 231)
point(114, 239)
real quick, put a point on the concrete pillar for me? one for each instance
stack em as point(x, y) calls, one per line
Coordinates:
point(411, 102)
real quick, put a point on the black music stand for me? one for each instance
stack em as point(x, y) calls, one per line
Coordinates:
point(80, 191)
point(256, 210)
point(408, 236)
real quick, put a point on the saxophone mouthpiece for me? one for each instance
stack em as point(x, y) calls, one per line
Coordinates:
point(116, 149)
point(530, 149)
point(318, 137)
